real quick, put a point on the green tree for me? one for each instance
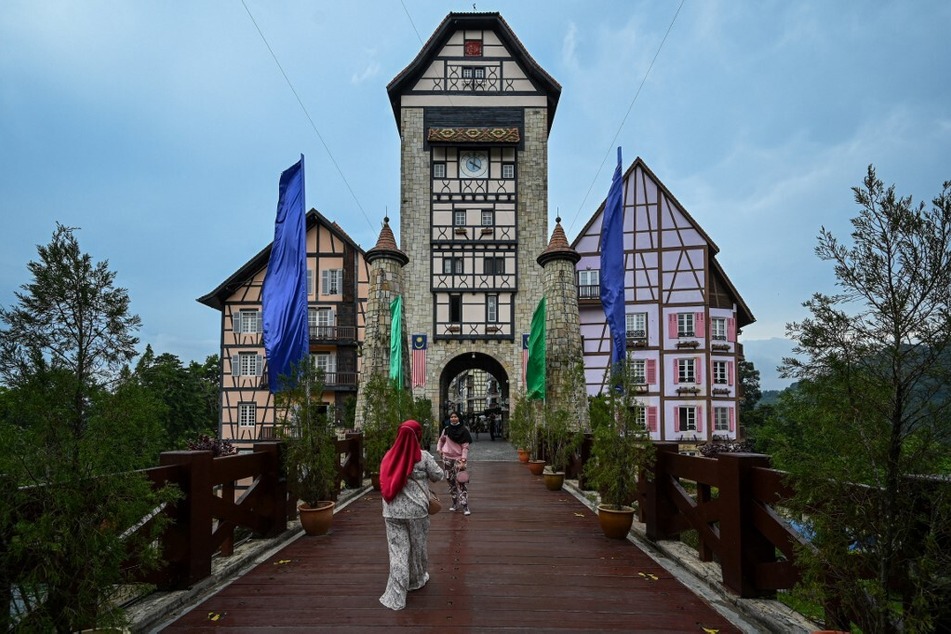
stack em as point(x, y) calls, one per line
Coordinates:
point(71, 434)
point(872, 409)
point(189, 394)
point(750, 394)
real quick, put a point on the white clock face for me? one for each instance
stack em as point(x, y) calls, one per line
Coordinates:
point(474, 164)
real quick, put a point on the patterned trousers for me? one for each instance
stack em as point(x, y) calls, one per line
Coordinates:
point(458, 491)
point(409, 559)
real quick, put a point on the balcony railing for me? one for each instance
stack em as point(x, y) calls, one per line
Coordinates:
point(590, 292)
point(333, 333)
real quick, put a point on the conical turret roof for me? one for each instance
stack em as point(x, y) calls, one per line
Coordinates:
point(386, 246)
point(558, 247)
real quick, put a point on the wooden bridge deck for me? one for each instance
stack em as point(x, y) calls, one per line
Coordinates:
point(527, 559)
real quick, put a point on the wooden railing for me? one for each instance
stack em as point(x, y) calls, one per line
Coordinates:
point(333, 333)
point(740, 527)
point(202, 523)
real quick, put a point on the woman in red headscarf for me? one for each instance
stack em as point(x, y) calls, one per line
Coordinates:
point(404, 473)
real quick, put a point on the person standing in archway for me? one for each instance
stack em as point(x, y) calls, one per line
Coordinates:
point(453, 446)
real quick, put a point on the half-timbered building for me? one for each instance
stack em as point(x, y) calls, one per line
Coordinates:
point(337, 282)
point(473, 111)
point(683, 315)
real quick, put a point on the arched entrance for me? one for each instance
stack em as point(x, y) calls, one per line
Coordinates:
point(477, 386)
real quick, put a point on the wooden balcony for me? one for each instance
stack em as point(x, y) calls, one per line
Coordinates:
point(333, 334)
point(589, 294)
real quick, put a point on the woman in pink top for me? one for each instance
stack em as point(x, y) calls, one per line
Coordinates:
point(453, 445)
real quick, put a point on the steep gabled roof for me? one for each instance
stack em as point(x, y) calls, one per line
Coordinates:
point(744, 315)
point(476, 21)
point(640, 162)
point(216, 299)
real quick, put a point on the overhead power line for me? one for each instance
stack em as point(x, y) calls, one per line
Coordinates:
point(611, 145)
point(307, 114)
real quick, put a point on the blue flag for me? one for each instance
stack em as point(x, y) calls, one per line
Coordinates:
point(284, 296)
point(612, 265)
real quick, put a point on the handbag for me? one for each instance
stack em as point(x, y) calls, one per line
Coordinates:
point(462, 477)
point(434, 504)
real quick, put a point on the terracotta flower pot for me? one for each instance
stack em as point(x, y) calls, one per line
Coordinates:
point(522, 455)
point(536, 466)
point(317, 519)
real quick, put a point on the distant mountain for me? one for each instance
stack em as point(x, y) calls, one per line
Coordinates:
point(766, 355)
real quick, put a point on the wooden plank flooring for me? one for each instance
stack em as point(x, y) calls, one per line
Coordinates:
point(526, 560)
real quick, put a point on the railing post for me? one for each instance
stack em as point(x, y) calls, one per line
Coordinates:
point(188, 540)
point(742, 547)
point(657, 508)
point(274, 484)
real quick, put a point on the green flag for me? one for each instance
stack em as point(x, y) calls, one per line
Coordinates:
point(396, 340)
point(535, 373)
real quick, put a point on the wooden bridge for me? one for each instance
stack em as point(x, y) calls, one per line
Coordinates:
point(527, 559)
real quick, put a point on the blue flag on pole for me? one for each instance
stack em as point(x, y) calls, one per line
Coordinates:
point(284, 296)
point(612, 265)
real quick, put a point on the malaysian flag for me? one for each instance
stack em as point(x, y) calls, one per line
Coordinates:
point(419, 360)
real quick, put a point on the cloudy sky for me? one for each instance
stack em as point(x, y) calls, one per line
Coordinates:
point(160, 128)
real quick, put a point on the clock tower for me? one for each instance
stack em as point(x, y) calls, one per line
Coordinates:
point(474, 111)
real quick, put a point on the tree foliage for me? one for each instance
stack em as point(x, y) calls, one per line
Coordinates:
point(871, 415)
point(70, 435)
point(189, 394)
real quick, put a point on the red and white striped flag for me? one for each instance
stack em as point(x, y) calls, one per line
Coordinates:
point(419, 360)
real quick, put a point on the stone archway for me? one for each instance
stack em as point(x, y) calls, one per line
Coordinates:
point(476, 385)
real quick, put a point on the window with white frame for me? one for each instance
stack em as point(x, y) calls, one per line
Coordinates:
point(638, 371)
point(325, 362)
point(459, 217)
point(686, 371)
point(439, 170)
point(721, 372)
point(492, 308)
point(589, 277)
point(685, 325)
point(640, 416)
point(310, 282)
point(473, 72)
point(508, 170)
point(687, 418)
point(488, 217)
point(636, 325)
point(248, 321)
point(247, 364)
point(331, 281)
point(323, 327)
point(718, 328)
point(247, 414)
point(721, 419)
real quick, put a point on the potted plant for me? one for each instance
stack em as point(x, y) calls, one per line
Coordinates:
point(621, 450)
point(561, 437)
point(520, 425)
point(311, 457)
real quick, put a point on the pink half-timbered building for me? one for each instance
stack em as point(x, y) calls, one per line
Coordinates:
point(683, 315)
point(337, 286)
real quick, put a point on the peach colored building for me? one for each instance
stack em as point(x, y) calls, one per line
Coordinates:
point(337, 282)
